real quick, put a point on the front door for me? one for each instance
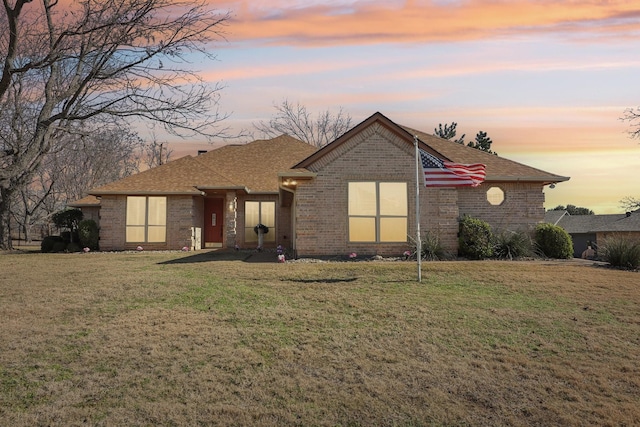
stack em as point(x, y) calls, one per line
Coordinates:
point(213, 211)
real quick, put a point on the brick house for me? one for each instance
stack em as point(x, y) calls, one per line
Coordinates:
point(593, 230)
point(211, 200)
point(377, 157)
point(356, 194)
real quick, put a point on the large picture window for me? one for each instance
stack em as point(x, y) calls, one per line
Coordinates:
point(378, 211)
point(146, 219)
point(259, 213)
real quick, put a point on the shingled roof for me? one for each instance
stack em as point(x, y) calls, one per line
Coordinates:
point(608, 223)
point(630, 222)
point(86, 202)
point(497, 168)
point(251, 167)
point(577, 224)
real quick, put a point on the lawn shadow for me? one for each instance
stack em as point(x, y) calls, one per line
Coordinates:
point(224, 255)
point(350, 279)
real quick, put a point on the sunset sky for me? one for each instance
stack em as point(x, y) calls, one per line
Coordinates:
point(548, 80)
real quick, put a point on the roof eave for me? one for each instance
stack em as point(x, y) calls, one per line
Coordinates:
point(144, 193)
point(84, 205)
point(544, 179)
point(223, 187)
point(297, 174)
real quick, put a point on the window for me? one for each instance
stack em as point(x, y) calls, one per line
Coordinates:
point(259, 213)
point(495, 196)
point(378, 211)
point(146, 219)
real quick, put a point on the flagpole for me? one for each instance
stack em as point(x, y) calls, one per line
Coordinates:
point(418, 183)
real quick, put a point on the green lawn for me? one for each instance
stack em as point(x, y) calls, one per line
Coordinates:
point(183, 339)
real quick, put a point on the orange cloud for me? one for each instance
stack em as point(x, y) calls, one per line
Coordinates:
point(285, 22)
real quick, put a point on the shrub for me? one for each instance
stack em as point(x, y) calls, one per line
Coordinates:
point(554, 241)
point(59, 246)
point(73, 247)
point(432, 248)
point(475, 239)
point(48, 242)
point(69, 219)
point(88, 234)
point(620, 251)
point(513, 244)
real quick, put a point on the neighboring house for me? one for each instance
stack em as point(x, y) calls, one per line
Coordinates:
point(593, 230)
point(356, 194)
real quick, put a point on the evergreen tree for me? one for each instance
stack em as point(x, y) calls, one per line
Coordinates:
point(448, 132)
point(482, 142)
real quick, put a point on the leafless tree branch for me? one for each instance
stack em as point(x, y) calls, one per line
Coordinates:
point(632, 115)
point(94, 59)
point(295, 120)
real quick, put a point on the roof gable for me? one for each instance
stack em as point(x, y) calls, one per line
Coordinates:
point(497, 168)
point(553, 216)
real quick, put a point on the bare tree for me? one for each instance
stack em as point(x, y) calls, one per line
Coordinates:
point(297, 121)
point(630, 203)
point(71, 62)
point(92, 159)
point(632, 115)
point(76, 163)
point(156, 152)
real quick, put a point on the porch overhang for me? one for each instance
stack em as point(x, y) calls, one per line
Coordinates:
point(288, 182)
point(289, 179)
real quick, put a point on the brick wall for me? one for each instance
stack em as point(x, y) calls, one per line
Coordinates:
point(373, 155)
point(521, 210)
point(182, 214)
point(377, 154)
point(285, 226)
point(439, 215)
point(113, 212)
point(91, 212)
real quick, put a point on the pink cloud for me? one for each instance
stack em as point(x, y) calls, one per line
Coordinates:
point(362, 22)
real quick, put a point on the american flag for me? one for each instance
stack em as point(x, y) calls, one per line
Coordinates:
point(440, 173)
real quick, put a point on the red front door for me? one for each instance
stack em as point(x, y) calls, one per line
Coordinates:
point(213, 211)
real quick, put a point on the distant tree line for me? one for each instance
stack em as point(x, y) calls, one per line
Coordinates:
point(573, 210)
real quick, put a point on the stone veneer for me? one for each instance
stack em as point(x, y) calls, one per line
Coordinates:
point(230, 219)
